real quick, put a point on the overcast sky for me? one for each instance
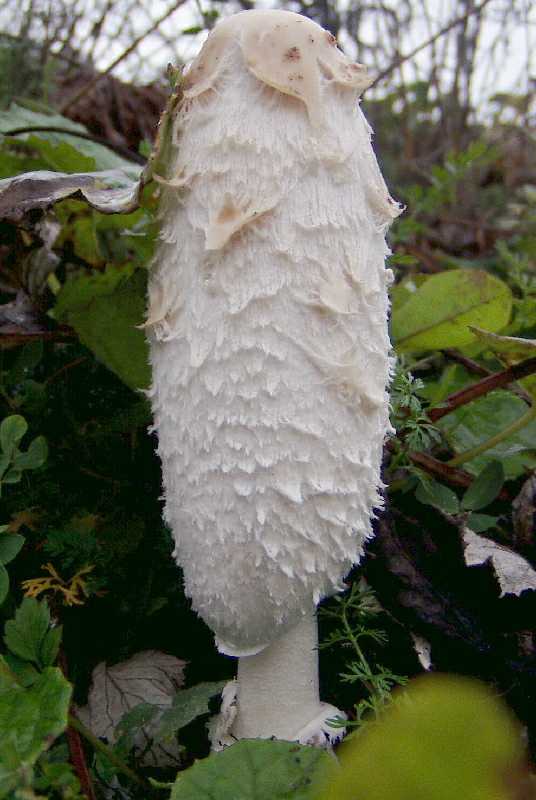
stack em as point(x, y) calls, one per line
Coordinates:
point(509, 69)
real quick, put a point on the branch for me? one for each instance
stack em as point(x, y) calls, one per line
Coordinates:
point(74, 743)
point(130, 49)
point(78, 760)
point(62, 334)
point(446, 473)
point(452, 24)
point(468, 363)
point(486, 385)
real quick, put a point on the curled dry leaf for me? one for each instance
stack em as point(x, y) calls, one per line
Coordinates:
point(149, 677)
point(514, 573)
point(110, 191)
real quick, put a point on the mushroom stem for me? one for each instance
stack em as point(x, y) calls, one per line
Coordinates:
point(277, 691)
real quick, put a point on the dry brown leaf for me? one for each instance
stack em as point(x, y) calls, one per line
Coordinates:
point(514, 573)
point(148, 677)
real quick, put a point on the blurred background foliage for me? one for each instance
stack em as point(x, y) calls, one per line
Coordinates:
point(449, 582)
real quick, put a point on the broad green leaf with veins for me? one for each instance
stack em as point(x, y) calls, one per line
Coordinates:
point(29, 719)
point(440, 311)
point(188, 704)
point(106, 309)
point(468, 426)
point(25, 634)
point(101, 157)
point(442, 738)
point(253, 769)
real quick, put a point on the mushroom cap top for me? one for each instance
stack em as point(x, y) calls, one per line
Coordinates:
point(282, 49)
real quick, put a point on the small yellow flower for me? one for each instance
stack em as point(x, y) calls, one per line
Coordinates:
point(74, 590)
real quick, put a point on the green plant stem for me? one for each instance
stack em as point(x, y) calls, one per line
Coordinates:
point(355, 644)
point(106, 751)
point(515, 426)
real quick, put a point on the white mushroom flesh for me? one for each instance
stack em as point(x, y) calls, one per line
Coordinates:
point(268, 326)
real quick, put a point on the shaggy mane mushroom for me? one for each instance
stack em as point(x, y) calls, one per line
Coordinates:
point(270, 353)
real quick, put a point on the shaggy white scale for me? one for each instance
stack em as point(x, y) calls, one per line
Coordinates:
point(269, 345)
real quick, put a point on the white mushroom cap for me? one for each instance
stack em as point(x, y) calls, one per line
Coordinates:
point(268, 328)
point(282, 49)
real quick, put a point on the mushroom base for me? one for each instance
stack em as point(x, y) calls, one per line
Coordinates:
point(276, 694)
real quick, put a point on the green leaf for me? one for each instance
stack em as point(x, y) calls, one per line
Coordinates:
point(25, 673)
point(432, 493)
point(50, 646)
point(470, 425)
point(484, 488)
point(29, 719)
point(7, 679)
point(439, 312)
point(12, 430)
point(481, 522)
point(61, 156)
point(401, 292)
point(34, 457)
point(4, 583)
point(443, 737)
point(103, 158)
point(12, 476)
point(404, 259)
point(28, 358)
point(25, 633)
point(511, 349)
point(253, 770)
point(10, 546)
point(131, 722)
point(187, 705)
point(105, 310)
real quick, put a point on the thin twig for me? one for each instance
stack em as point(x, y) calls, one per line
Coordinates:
point(74, 743)
point(130, 49)
point(446, 473)
point(118, 148)
point(63, 334)
point(468, 363)
point(486, 385)
point(452, 24)
point(65, 368)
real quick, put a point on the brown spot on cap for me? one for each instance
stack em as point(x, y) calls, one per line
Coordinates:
point(293, 54)
point(331, 39)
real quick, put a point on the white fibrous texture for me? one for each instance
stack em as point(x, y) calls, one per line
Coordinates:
point(268, 327)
